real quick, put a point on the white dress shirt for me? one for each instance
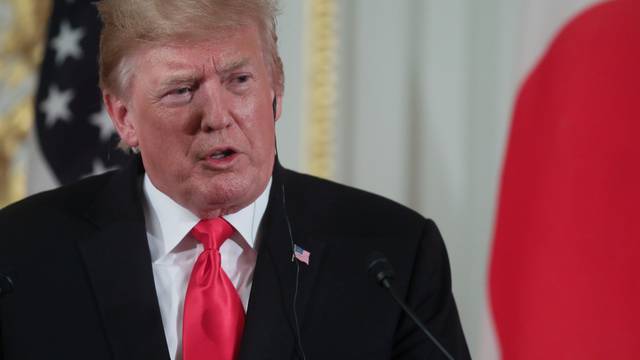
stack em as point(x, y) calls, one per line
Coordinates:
point(174, 252)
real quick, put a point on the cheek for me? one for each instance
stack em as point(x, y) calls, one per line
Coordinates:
point(184, 119)
point(256, 119)
point(168, 131)
point(260, 132)
point(243, 108)
point(186, 122)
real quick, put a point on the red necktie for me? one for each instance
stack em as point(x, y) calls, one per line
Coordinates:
point(213, 313)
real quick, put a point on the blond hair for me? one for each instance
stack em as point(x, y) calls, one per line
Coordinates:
point(127, 24)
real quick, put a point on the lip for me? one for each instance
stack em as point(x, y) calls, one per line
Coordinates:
point(222, 163)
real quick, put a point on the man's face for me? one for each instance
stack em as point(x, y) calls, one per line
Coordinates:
point(201, 115)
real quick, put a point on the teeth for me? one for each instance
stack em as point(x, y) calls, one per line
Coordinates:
point(221, 154)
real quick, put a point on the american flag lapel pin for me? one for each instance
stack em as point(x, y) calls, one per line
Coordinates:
point(301, 254)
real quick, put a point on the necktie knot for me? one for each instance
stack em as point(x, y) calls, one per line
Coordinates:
point(212, 232)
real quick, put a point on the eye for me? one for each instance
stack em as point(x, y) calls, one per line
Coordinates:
point(179, 95)
point(240, 83)
point(241, 79)
point(181, 91)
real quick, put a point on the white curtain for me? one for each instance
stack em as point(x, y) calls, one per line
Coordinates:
point(425, 91)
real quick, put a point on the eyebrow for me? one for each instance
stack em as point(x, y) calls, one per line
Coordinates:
point(179, 79)
point(231, 66)
point(191, 77)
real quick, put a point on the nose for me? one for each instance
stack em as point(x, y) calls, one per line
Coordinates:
point(216, 115)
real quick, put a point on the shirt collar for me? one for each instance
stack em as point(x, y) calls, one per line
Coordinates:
point(168, 222)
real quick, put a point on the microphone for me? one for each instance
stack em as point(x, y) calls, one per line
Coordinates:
point(380, 269)
point(6, 285)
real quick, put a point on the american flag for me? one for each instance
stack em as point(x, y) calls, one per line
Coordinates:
point(74, 132)
point(301, 254)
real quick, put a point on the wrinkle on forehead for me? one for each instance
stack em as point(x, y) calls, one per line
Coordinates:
point(223, 45)
point(171, 59)
point(224, 68)
point(190, 59)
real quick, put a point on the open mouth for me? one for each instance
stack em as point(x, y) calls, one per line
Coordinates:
point(221, 154)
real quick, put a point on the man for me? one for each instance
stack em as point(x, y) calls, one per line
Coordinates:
point(204, 247)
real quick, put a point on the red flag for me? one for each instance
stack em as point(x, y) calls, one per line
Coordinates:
point(566, 257)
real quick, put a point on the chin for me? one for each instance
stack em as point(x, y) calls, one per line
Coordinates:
point(226, 193)
point(223, 198)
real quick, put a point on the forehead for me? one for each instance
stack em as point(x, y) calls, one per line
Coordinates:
point(224, 48)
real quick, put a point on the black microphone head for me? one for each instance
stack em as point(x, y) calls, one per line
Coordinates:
point(6, 285)
point(379, 268)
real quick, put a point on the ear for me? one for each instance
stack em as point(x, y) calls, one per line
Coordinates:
point(278, 112)
point(121, 117)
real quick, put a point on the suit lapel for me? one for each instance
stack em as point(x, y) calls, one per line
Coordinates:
point(281, 285)
point(118, 265)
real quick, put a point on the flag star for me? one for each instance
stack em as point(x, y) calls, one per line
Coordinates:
point(102, 120)
point(67, 43)
point(56, 105)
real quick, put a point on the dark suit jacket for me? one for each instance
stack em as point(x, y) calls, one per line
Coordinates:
point(84, 286)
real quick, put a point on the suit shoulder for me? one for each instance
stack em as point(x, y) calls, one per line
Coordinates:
point(329, 200)
point(65, 199)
